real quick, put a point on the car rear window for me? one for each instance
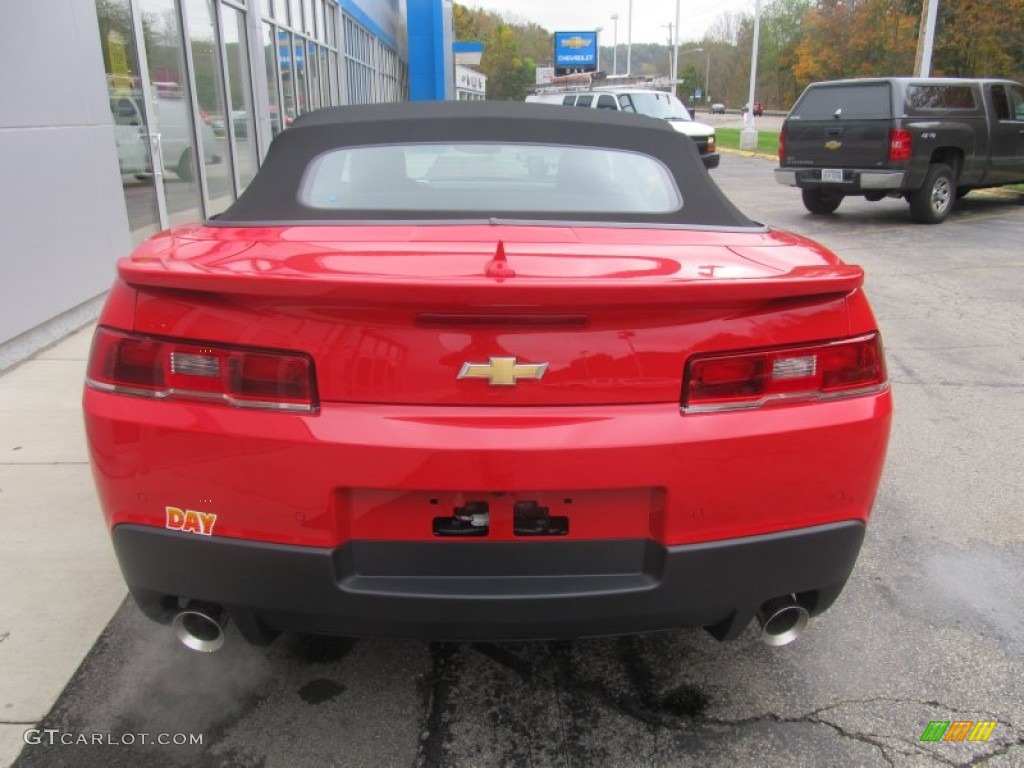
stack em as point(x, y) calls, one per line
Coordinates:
point(866, 101)
point(509, 177)
point(928, 97)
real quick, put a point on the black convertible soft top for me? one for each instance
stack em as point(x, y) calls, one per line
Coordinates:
point(274, 196)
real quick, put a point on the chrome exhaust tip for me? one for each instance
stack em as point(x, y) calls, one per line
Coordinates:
point(782, 620)
point(200, 627)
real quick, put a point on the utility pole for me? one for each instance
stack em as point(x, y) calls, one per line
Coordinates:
point(748, 136)
point(629, 40)
point(926, 38)
point(707, 79)
point(672, 62)
point(675, 53)
point(615, 43)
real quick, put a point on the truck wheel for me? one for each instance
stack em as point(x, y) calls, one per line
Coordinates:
point(184, 167)
point(821, 201)
point(932, 203)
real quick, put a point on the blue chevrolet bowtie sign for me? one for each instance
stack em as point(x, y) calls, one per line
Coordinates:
point(576, 50)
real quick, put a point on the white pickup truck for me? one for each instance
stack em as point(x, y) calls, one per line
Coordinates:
point(642, 101)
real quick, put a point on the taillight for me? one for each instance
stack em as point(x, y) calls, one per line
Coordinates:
point(899, 145)
point(826, 371)
point(164, 368)
point(782, 146)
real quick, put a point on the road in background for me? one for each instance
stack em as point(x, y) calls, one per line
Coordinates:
point(930, 627)
point(728, 120)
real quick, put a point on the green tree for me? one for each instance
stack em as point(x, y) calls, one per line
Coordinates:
point(975, 38)
point(465, 23)
point(511, 50)
point(536, 43)
point(691, 82)
point(781, 31)
point(508, 73)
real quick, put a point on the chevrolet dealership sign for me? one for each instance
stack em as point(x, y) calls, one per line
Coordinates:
point(576, 51)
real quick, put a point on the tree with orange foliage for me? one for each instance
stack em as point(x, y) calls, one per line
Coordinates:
point(857, 38)
point(862, 38)
point(980, 38)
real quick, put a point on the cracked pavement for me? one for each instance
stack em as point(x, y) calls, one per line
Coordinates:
point(930, 626)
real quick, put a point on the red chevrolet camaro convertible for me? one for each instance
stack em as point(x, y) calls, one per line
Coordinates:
point(486, 370)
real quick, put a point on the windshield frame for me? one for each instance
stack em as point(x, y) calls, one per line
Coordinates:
point(272, 197)
point(664, 106)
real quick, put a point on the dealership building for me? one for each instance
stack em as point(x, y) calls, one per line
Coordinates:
point(119, 118)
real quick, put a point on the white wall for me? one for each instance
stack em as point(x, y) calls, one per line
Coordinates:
point(63, 222)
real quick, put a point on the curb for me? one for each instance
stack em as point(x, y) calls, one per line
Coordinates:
point(999, 193)
point(747, 153)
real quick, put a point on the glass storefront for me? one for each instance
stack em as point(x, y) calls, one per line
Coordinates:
point(239, 77)
point(131, 130)
point(199, 88)
point(273, 78)
point(214, 119)
point(301, 59)
point(170, 112)
point(375, 72)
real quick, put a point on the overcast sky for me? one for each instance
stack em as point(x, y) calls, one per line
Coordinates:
point(650, 17)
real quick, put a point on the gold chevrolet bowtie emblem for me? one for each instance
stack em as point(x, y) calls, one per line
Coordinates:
point(502, 371)
point(833, 144)
point(575, 42)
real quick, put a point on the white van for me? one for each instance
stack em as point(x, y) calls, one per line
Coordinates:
point(642, 101)
point(175, 136)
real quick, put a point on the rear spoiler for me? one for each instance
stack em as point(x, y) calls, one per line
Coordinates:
point(472, 290)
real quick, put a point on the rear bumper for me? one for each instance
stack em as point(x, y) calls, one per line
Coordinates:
point(323, 522)
point(364, 472)
point(854, 181)
point(488, 590)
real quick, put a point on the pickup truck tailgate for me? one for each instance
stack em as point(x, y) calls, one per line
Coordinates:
point(846, 126)
point(837, 143)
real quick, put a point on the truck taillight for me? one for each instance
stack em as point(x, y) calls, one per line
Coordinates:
point(826, 371)
point(782, 146)
point(899, 145)
point(242, 377)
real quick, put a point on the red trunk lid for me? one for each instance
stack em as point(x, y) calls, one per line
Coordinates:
point(528, 315)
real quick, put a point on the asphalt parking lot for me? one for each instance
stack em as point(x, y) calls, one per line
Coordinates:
point(930, 627)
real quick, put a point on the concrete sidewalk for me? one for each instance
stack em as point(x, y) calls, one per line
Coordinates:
point(59, 581)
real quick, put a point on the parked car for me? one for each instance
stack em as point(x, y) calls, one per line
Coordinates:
point(640, 101)
point(717, 108)
point(929, 141)
point(484, 370)
point(240, 120)
point(758, 108)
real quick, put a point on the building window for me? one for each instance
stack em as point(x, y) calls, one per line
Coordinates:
point(375, 71)
point(239, 89)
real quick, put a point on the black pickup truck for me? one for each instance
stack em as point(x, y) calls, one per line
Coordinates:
point(928, 140)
